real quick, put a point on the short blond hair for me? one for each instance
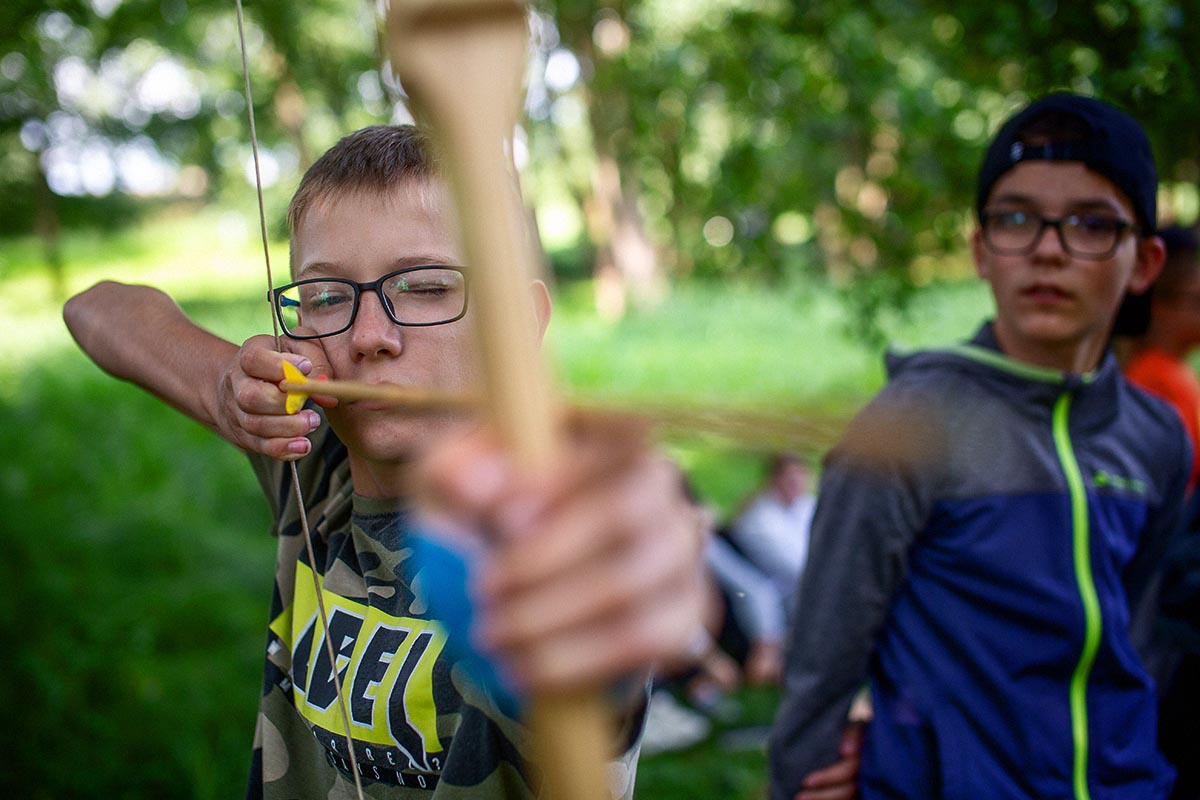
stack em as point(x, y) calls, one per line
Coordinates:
point(377, 159)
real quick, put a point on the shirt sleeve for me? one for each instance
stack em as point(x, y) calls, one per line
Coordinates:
point(1180, 597)
point(755, 601)
point(750, 533)
point(875, 498)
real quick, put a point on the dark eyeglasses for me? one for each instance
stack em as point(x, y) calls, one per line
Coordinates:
point(414, 296)
point(1017, 233)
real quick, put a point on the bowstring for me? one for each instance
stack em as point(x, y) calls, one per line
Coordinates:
point(295, 476)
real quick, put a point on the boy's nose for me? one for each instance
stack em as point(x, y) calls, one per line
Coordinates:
point(1050, 243)
point(373, 332)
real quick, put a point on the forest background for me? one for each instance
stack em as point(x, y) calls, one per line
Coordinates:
point(740, 202)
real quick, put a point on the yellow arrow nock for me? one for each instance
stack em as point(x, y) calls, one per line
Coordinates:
point(295, 400)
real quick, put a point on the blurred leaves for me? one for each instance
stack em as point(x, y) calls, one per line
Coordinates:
point(748, 138)
point(842, 138)
point(91, 92)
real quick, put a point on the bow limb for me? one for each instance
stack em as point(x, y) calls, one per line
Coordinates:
point(472, 111)
point(461, 62)
point(297, 493)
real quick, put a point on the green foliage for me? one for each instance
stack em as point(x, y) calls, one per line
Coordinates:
point(767, 139)
point(135, 556)
point(75, 74)
point(841, 139)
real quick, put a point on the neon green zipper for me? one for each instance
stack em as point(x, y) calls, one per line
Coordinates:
point(1080, 535)
point(1081, 546)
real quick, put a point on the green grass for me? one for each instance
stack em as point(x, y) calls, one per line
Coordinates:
point(782, 350)
point(135, 563)
point(719, 766)
point(137, 567)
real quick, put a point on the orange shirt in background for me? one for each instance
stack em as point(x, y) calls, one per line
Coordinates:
point(1170, 378)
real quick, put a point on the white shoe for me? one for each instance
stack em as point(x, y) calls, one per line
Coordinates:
point(671, 726)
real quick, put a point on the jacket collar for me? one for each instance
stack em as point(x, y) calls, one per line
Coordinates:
point(1096, 394)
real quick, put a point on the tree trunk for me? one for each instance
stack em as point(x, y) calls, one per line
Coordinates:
point(627, 268)
point(46, 225)
point(290, 111)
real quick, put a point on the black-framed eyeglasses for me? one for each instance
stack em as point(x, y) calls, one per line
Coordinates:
point(432, 294)
point(1017, 233)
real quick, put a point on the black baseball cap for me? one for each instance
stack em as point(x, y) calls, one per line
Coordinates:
point(1111, 143)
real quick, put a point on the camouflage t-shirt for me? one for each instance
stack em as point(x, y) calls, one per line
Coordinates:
point(422, 728)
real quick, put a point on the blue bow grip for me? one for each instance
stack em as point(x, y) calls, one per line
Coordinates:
point(445, 572)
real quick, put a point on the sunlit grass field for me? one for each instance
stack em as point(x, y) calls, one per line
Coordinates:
point(136, 564)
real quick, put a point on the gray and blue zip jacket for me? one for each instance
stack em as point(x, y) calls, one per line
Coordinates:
point(985, 553)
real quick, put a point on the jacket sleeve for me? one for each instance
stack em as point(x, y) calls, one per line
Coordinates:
point(1155, 578)
point(874, 500)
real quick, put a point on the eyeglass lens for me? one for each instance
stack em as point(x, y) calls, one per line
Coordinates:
point(425, 296)
point(1081, 234)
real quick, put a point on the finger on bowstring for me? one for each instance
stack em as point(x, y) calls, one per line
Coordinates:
point(281, 448)
point(258, 397)
point(262, 424)
point(259, 359)
point(312, 350)
point(277, 425)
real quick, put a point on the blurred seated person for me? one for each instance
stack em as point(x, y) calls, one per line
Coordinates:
point(744, 620)
point(744, 623)
point(752, 625)
point(771, 532)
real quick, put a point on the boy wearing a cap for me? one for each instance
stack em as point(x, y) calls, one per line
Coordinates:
point(987, 535)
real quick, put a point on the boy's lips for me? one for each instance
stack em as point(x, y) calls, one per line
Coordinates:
point(1045, 293)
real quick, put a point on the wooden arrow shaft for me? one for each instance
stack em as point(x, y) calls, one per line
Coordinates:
point(411, 398)
point(804, 432)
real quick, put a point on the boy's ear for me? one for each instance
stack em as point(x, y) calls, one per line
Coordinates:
point(540, 296)
point(1151, 254)
point(981, 268)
